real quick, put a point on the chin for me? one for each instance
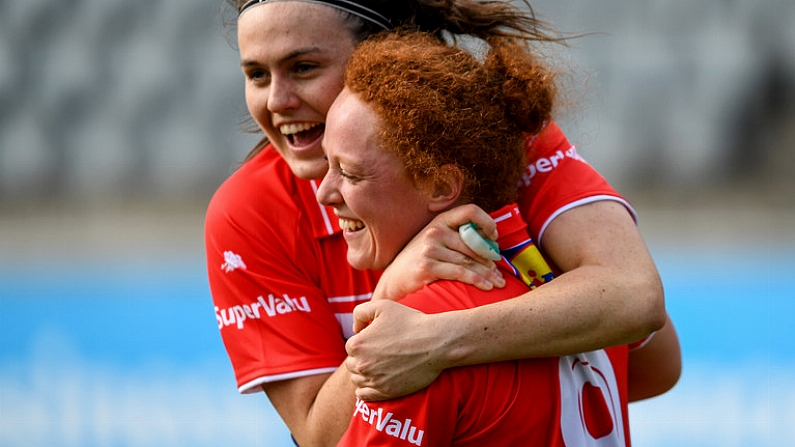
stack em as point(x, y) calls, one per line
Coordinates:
point(309, 170)
point(358, 264)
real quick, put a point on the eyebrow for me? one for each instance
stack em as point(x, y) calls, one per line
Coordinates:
point(291, 55)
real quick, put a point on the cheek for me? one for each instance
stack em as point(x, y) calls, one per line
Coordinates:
point(256, 101)
point(388, 225)
point(325, 93)
point(389, 237)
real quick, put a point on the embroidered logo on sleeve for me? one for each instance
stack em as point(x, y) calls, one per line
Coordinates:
point(232, 262)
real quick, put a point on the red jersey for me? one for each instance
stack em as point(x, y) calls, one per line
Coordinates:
point(282, 288)
point(557, 179)
point(578, 400)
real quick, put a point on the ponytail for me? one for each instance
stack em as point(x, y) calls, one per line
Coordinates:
point(481, 19)
point(528, 86)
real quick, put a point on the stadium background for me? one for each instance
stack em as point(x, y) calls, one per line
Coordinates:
point(118, 120)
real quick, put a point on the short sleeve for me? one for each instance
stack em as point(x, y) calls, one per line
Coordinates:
point(272, 314)
point(557, 179)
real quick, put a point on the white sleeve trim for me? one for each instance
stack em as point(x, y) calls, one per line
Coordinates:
point(254, 385)
point(585, 201)
point(644, 342)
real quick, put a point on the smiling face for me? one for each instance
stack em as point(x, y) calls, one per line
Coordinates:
point(293, 55)
point(379, 207)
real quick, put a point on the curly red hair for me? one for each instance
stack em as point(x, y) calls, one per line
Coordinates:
point(439, 105)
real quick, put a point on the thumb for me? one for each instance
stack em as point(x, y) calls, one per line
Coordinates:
point(470, 213)
point(363, 315)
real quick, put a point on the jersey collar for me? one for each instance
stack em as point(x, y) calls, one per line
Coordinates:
point(324, 222)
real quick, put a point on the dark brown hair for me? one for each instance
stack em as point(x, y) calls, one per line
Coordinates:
point(477, 18)
point(439, 105)
point(453, 19)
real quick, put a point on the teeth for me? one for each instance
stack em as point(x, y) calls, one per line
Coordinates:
point(289, 129)
point(351, 225)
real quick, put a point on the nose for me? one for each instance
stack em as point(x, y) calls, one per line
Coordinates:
point(328, 193)
point(282, 95)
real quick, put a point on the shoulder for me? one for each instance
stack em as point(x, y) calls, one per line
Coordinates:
point(549, 140)
point(445, 296)
point(264, 179)
point(265, 176)
point(254, 202)
point(548, 150)
point(557, 179)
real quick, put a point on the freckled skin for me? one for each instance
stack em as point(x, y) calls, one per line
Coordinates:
point(369, 184)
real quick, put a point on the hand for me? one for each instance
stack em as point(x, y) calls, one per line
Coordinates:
point(392, 353)
point(437, 252)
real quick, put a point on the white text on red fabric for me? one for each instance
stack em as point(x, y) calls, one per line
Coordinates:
point(388, 424)
point(272, 307)
point(547, 164)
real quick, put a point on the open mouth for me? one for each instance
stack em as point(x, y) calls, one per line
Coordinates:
point(303, 134)
point(351, 225)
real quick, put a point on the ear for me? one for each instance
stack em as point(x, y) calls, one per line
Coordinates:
point(446, 189)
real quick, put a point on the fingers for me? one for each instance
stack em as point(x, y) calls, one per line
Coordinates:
point(473, 273)
point(371, 394)
point(390, 357)
point(363, 315)
point(399, 382)
point(440, 229)
point(439, 244)
point(453, 263)
point(365, 389)
point(483, 280)
point(437, 252)
point(449, 263)
point(356, 377)
point(460, 215)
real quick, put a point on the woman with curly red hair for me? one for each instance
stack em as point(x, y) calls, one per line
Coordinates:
point(422, 127)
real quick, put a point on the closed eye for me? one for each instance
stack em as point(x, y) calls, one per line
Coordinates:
point(348, 176)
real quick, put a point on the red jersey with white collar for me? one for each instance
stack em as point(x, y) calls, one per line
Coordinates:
point(575, 401)
point(281, 286)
